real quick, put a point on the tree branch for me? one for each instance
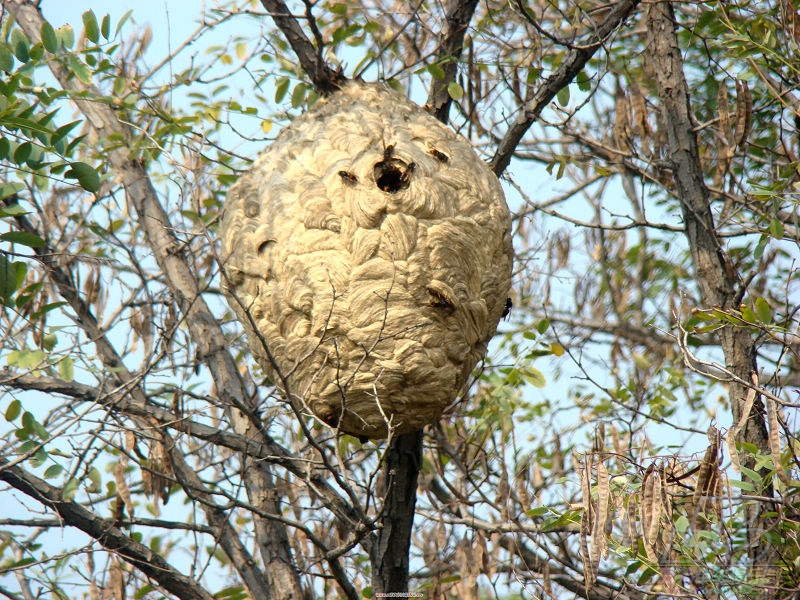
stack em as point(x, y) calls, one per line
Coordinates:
point(109, 536)
point(575, 60)
point(325, 79)
point(451, 43)
point(267, 450)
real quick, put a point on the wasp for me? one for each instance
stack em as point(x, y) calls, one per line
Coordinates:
point(348, 177)
point(440, 156)
point(507, 308)
point(405, 176)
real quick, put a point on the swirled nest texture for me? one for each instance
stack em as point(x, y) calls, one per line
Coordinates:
point(368, 256)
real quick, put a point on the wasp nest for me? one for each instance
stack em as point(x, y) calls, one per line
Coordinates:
point(368, 256)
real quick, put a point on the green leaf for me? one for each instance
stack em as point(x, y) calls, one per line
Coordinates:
point(534, 376)
point(67, 36)
point(19, 46)
point(53, 471)
point(39, 457)
point(681, 524)
point(584, 81)
point(776, 228)
point(70, 489)
point(538, 511)
point(28, 421)
point(46, 308)
point(9, 280)
point(542, 326)
point(563, 96)
point(13, 410)
point(95, 481)
point(79, 69)
point(6, 58)
point(90, 27)
point(60, 133)
point(751, 475)
point(281, 87)
point(22, 153)
point(436, 71)
point(455, 91)
point(66, 369)
point(49, 341)
point(30, 240)
point(28, 124)
point(763, 310)
point(299, 95)
point(49, 38)
point(122, 21)
point(9, 189)
point(748, 314)
point(85, 174)
point(105, 27)
point(760, 246)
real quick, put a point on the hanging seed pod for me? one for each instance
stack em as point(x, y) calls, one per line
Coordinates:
point(368, 272)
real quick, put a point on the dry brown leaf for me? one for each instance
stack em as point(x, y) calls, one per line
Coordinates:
point(94, 589)
point(156, 474)
point(503, 491)
point(725, 129)
point(600, 439)
point(601, 525)
point(558, 457)
point(123, 491)
point(91, 287)
point(481, 553)
point(589, 572)
point(520, 482)
point(744, 112)
point(441, 536)
point(622, 120)
point(703, 500)
point(775, 440)
point(650, 509)
point(641, 125)
point(633, 532)
point(494, 555)
point(115, 587)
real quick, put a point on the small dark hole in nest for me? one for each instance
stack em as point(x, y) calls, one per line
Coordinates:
point(393, 174)
point(264, 246)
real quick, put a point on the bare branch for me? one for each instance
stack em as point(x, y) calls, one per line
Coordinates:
point(325, 79)
point(572, 65)
point(105, 532)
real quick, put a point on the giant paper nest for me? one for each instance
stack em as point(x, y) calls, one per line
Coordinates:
point(367, 253)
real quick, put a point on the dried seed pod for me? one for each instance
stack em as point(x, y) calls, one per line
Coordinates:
point(744, 112)
point(368, 273)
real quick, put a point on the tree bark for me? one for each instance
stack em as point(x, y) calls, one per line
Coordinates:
point(325, 79)
point(389, 555)
point(719, 283)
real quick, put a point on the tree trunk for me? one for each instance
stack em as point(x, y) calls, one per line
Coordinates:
point(389, 554)
point(719, 283)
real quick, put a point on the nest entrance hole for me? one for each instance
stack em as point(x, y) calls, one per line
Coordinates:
point(393, 174)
